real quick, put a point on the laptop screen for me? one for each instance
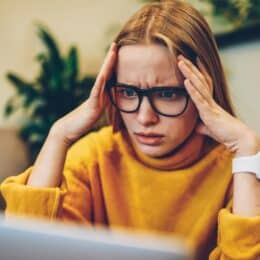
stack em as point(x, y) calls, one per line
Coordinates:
point(33, 239)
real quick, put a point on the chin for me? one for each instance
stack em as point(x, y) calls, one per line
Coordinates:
point(153, 151)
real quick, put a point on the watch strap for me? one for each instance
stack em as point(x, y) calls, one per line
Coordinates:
point(247, 164)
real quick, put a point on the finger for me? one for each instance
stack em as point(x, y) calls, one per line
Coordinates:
point(199, 101)
point(201, 73)
point(98, 86)
point(109, 61)
point(193, 68)
point(105, 72)
point(97, 97)
point(206, 74)
point(189, 74)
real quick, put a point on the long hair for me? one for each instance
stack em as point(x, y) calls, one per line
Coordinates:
point(183, 30)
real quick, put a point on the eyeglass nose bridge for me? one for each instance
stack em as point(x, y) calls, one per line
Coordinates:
point(145, 93)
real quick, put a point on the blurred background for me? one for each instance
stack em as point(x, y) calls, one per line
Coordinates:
point(51, 52)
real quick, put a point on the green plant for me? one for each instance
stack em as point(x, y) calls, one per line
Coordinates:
point(55, 91)
point(238, 12)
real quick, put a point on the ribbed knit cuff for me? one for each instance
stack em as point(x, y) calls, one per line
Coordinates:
point(239, 236)
point(23, 200)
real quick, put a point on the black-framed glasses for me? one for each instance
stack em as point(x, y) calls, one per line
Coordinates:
point(166, 101)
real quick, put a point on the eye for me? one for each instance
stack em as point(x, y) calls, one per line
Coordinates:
point(126, 92)
point(167, 94)
point(129, 93)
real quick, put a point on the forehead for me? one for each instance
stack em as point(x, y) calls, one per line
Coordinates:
point(147, 64)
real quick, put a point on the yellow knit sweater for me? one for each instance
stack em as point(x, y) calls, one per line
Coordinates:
point(105, 182)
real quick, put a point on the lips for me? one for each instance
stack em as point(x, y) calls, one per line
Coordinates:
point(149, 138)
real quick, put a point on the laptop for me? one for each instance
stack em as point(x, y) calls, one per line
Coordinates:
point(30, 239)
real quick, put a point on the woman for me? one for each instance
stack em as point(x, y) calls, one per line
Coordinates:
point(164, 164)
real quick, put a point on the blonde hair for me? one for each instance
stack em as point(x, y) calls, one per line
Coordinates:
point(183, 30)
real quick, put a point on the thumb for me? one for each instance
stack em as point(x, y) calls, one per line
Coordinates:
point(202, 129)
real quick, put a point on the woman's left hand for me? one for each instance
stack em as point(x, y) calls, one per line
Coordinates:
point(216, 122)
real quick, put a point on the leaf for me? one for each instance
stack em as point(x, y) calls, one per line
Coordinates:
point(71, 68)
point(25, 89)
point(11, 106)
point(41, 57)
point(49, 79)
point(51, 46)
point(21, 85)
point(34, 128)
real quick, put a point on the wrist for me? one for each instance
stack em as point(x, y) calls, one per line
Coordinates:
point(249, 146)
point(56, 136)
point(247, 164)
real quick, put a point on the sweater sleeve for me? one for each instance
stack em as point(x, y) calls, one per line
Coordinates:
point(69, 202)
point(238, 236)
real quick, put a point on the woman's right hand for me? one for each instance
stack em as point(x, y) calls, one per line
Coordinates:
point(79, 121)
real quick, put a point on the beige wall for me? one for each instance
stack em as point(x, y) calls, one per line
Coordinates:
point(13, 153)
point(242, 63)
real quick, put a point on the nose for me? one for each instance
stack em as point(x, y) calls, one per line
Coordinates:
point(146, 115)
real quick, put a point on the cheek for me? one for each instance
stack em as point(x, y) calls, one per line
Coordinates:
point(192, 114)
point(181, 126)
point(128, 119)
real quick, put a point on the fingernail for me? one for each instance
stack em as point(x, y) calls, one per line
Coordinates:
point(180, 56)
point(113, 45)
point(181, 63)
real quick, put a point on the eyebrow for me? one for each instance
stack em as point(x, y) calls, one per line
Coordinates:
point(157, 86)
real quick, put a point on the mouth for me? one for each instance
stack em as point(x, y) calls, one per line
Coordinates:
point(149, 138)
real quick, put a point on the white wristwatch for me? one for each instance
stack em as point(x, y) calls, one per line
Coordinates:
point(247, 164)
